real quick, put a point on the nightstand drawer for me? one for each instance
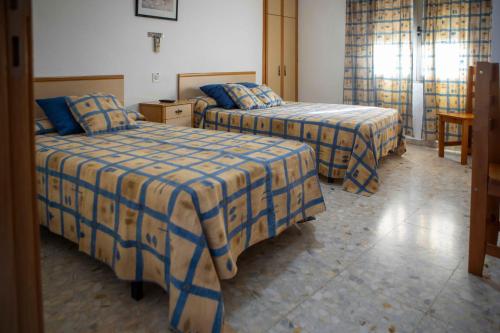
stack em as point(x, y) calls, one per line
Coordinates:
point(178, 114)
point(184, 121)
point(177, 111)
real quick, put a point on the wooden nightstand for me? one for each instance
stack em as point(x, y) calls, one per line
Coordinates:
point(179, 113)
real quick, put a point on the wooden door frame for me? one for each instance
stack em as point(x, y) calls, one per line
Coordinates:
point(282, 58)
point(264, 41)
point(20, 277)
point(264, 45)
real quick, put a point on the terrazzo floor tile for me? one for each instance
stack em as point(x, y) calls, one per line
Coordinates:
point(424, 246)
point(468, 302)
point(299, 276)
point(395, 275)
point(392, 262)
point(246, 312)
point(343, 307)
point(454, 222)
point(83, 295)
point(429, 324)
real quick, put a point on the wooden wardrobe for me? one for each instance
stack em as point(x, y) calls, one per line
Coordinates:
point(280, 65)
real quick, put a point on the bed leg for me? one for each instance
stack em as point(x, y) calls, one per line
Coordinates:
point(136, 290)
point(308, 219)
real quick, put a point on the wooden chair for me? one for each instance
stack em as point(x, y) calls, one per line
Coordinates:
point(485, 195)
point(463, 119)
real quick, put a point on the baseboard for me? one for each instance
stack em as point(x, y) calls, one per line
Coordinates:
point(416, 142)
point(434, 145)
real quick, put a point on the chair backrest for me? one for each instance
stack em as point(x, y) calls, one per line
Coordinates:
point(486, 128)
point(485, 154)
point(471, 92)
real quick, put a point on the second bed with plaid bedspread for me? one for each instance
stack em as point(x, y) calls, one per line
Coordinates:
point(174, 205)
point(349, 141)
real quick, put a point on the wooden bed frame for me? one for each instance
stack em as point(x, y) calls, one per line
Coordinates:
point(47, 87)
point(189, 83)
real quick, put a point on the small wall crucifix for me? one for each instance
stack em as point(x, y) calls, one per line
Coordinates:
point(157, 36)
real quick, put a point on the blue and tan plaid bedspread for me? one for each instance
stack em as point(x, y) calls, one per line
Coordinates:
point(174, 205)
point(349, 141)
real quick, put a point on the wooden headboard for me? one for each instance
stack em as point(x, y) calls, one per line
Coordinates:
point(189, 84)
point(47, 87)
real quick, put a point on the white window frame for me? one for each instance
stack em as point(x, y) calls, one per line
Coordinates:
point(418, 21)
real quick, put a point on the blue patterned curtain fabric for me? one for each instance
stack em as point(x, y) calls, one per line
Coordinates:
point(457, 34)
point(379, 56)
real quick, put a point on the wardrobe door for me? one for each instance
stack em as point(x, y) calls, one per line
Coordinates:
point(273, 7)
point(273, 47)
point(290, 59)
point(290, 8)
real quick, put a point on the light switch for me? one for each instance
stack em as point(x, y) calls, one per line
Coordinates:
point(156, 77)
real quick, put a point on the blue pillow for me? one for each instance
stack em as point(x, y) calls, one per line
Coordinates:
point(249, 84)
point(59, 115)
point(217, 92)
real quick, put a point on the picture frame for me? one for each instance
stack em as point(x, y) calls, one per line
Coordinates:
point(160, 9)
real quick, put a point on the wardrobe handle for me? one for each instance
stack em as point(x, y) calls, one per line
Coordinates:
point(279, 70)
point(284, 69)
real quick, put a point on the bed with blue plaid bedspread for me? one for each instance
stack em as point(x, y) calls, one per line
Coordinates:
point(349, 141)
point(174, 205)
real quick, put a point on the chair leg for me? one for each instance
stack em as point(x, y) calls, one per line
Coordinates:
point(477, 246)
point(493, 227)
point(470, 139)
point(465, 143)
point(483, 208)
point(441, 137)
point(136, 290)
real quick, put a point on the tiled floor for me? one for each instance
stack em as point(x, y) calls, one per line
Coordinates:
point(393, 262)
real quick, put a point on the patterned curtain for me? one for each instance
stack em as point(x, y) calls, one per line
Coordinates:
point(456, 35)
point(379, 56)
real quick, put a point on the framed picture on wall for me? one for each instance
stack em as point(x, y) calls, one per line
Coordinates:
point(162, 9)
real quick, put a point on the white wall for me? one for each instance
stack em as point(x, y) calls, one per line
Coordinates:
point(321, 50)
point(91, 37)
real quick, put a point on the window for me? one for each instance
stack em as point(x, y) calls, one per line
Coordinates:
point(392, 55)
point(418, 22)
point(447, 61)
point(391, 60)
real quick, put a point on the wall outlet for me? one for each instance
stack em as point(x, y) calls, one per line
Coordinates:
point(155, 77)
